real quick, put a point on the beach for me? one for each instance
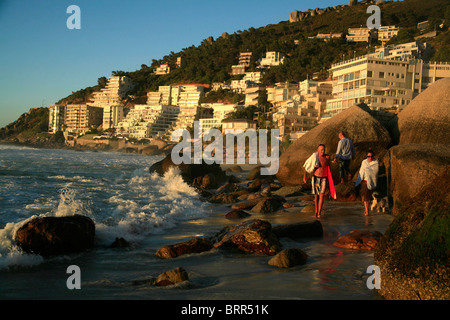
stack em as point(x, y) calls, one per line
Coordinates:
point(125, 200)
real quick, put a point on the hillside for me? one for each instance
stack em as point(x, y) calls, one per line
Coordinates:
point(31, 128)
point(211, 61)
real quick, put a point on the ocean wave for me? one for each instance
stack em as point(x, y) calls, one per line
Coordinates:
point(150, 205)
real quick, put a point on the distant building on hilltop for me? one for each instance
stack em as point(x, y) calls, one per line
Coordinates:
point(162, 69)
point(272, 58)
point(364, 34)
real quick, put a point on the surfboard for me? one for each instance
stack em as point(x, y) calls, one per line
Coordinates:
point(331, 184)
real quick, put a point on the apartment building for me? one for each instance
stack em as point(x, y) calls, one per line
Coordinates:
point(145, 121)
point(220, 111)
point(238, 124)
point(381, 83)
point(114, 92)
point(237, 70)
point(180, 62)
point(295, 121)
point(315, 94)
point(112, 115)
point(405, 50)
point(384, 34)
point(272, 58)
point(250, 79)
point(81, 118)
point(281, 92)
point(328, 36)
point(251, 95)
point(360, 35)
point(184, 95)
point(245, 60)
point(56, 116)
point(162, 69)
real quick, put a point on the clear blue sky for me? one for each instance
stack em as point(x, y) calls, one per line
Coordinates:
point(42, 61)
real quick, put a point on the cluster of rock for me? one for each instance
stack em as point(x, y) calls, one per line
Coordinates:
point(414, 253)
point(296, 15)
point(414, 153)
point(253, 236)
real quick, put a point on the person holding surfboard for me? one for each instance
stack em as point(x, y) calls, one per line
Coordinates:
point(319, 165)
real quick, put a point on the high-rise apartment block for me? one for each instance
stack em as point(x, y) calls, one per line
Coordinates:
point(381, 83)
point(114, 92)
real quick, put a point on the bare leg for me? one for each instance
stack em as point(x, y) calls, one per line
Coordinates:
point(316, 204)
point(366, 207)
point(319, 210)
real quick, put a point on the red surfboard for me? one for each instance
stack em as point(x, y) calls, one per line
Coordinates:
point(331, 184)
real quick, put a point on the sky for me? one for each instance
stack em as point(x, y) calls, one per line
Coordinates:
point(42, 60)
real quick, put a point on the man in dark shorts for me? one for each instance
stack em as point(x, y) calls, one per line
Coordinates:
point(345, 153)
point(320, 177)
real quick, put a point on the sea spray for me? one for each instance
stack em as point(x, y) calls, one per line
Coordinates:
point(69, 206)
point(150, 204)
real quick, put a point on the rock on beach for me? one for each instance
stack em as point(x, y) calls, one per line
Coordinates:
point(49, 236)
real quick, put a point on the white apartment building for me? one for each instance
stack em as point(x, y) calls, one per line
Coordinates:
point(185, 95)
point(113, 93)
point(295, 121)
point(381, 83)
point(250, 79)
point(56, 116)
point(315, 94)
point(220, 112)
point(112, 115)
point(383, 34)
point(162, 69)
point(282, 92)
point(145, 121)
point(272, 58)
point(328, 36)
point(405, 50)
point(251, 96)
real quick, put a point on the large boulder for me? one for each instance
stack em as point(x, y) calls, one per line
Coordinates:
point(358, 124)
point(171, 277)
point(49, 236)
point(252, 236)
point(289, 258)
point(414, 253)
point(359, 239)
point(427, 118)
point(190, 172)
point(410, 167)
point(196, 245)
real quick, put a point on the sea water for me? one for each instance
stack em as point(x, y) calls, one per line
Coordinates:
point(124, 200)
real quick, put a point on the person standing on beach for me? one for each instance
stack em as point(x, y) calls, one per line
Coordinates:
point(345, 153)
point(318, 164)
point(368, 175)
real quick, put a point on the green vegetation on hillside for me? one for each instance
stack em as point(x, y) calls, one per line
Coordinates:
point(211, 61)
